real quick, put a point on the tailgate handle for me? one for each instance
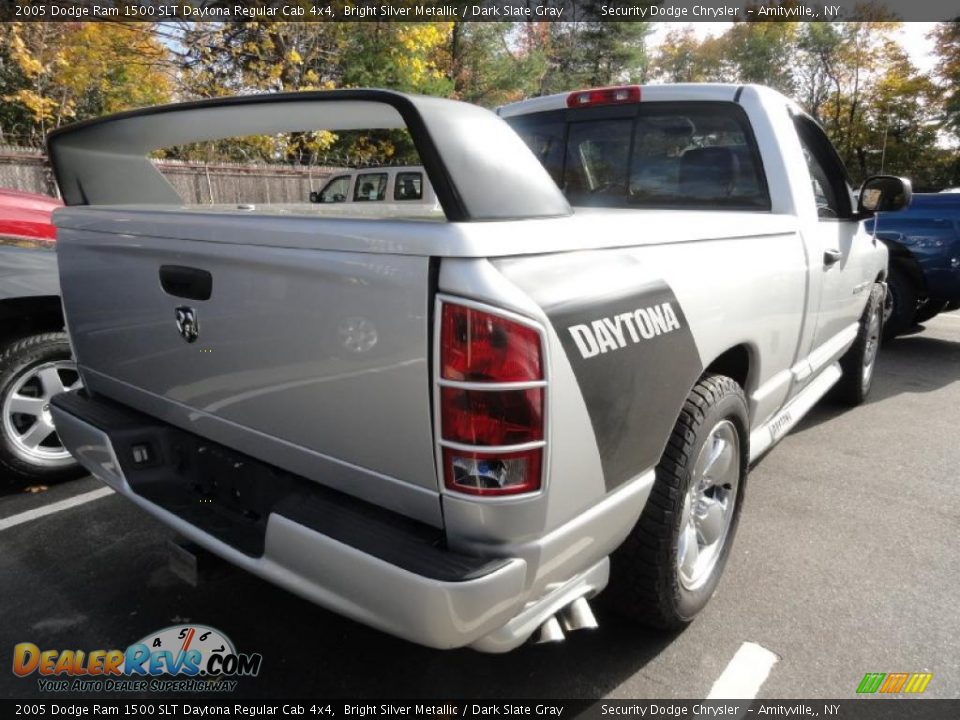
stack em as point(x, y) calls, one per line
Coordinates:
point(186, 282)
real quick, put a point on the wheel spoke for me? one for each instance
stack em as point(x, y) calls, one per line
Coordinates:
point(689, 551)
point(711, 522)
point(52, 382)
point(720, 461)
point(37, 433)
point(703, 461)
point(686, 514)
point(26, 405)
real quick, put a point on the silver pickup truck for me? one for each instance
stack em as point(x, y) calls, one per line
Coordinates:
point(461, 426)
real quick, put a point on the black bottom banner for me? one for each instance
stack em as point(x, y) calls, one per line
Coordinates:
point(848, 709)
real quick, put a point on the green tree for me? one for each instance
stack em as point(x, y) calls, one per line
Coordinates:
point(898, 131)
point(494, 63)
point(591, 53)
point(946, 39)
point(761, 53)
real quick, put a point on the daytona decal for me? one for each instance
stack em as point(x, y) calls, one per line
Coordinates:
point(631, 351)
point(607, 334)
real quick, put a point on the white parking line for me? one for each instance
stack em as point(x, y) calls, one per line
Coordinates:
point(52, 508)
point(744, 674)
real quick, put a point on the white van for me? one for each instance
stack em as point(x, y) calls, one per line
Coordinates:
point(382, 184)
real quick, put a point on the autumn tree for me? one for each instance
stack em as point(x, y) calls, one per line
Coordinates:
point(60, 72)
point(16, 120)
point(249, 57)
point(749, 52)
point(682, 57)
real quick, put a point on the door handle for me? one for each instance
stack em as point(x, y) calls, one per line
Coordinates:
point(186, 282)
point(831, 257)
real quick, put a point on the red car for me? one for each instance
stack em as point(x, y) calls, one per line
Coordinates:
point(35, 360)
point(27, 215)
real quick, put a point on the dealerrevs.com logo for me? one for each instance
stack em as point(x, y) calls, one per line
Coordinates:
point(180, 658)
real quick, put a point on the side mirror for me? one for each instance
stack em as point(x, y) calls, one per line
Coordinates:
point(883, 193)
point(314, 197)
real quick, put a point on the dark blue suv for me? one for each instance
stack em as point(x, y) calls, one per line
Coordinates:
point(924, 243)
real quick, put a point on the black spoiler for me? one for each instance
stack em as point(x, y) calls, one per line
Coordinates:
point(479, 167)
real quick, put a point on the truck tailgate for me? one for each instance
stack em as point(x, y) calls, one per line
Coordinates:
point(313, 360)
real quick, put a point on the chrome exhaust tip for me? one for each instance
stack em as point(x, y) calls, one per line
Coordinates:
point(550, 631)
point(578, 616)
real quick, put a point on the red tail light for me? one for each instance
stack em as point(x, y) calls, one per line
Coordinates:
point(604, 96)
point(492, 437)
point(482, 417)
point(480, 347)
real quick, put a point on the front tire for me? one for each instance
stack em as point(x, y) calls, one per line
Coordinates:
point(670, 564)
point(32, 370)
point(860, 361)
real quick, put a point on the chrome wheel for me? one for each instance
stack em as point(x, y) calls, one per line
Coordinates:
point(871, 347)
point(708, 507)
point(27, 420)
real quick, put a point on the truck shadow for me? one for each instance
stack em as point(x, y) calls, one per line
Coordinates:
point(117, 592)
point(907, 365)
point(334, 657)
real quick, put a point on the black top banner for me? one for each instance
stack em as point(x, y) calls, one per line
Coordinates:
point(474, 11)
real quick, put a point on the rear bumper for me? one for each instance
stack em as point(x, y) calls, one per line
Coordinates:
point(384, 575)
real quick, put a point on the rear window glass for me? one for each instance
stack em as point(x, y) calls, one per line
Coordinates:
point(408, 186)
point(700, 155)
point(370, 186)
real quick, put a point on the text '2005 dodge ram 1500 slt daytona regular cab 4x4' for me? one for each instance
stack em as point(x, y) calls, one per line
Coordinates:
point(457, 427)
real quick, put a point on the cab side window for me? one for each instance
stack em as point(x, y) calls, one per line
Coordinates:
point(336, 190)
point(408, 186)
point(827, 173)
point(370, 186)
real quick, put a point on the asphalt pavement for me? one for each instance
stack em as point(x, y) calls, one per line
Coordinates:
point(845, 563)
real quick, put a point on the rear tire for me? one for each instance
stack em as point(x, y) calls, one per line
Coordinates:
point(860, 361)
point(669, 566)
point(900, 307)
point(32, 370)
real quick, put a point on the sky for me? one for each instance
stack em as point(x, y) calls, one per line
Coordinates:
point(912, 38)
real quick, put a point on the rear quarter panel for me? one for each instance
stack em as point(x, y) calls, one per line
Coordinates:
point(610, 415)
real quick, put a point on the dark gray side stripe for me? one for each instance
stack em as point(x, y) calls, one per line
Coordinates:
point(638, 369)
